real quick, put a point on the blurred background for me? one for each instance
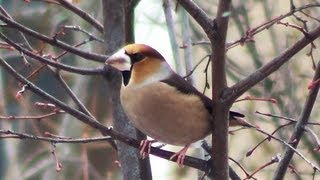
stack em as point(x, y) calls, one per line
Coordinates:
point(184, 44)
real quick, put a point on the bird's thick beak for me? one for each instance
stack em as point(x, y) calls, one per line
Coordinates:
point(120, 61)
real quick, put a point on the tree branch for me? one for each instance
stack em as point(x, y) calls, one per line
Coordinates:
point(219, 83)
point(69, 91)
point(250, 33)
point(238, 89)
point(216, 31)
point(5, 134)
point(26, 43)
point(290, 147)
point(83, 71)
point(36, 117)
point(53, 41)
point(299, 128)
point(200, 16)
point(91, 20)
point(172, 32)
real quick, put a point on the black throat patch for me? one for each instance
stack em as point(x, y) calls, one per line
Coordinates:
point(126, 75)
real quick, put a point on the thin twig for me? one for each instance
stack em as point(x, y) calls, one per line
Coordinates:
point(72, 95)
point(78, 28)
point(241, 167)
point(56, 159)
point(36, 71)
point(314, 135)
point(251, 98)
point(267, 138)
point(195, 67)
point(266, 25)
point(77, 101)
point(285, 118)
point(233, 175)
point(309, 16)
point(53, 41)
point(273, 160)
point(83, 71)
point(299, 129)
point(91, 20)
point(26, 42)
point(304, 22)
point(238, 89)
point(5, 134)
point(207, 85)
point(36, 117)
point(292, 148)
point(287, 24)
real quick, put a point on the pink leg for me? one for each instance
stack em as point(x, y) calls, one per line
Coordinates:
point(180, 155)
point(145, 146)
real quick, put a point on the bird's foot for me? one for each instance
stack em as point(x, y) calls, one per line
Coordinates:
point(145, 146)
point(180, 155)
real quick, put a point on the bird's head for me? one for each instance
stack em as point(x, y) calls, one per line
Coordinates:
point(139, 64)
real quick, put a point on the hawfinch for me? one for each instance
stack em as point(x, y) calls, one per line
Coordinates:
point(160, 103)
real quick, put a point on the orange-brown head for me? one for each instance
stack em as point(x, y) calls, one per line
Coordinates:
point(140, 64)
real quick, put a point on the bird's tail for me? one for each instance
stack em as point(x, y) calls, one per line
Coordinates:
point(238, 121)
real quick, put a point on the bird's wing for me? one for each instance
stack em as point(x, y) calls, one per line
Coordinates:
point(183, 86)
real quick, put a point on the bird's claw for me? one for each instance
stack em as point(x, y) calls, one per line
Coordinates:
point(145, 147)
point(180, 156)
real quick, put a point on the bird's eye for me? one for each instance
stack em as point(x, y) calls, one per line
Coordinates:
point(136, 57)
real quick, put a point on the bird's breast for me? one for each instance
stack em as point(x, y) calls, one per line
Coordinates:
point(166, 114)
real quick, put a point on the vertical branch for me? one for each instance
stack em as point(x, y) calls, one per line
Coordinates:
point(219, 83)
point(186, 41)
point(3, 144)
point(144, 171)
point(129, 20)
point(116, 19)
point(167, 8)
point(216, 31)
point(85, 165)
point(299, 128)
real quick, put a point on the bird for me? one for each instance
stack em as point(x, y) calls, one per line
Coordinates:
point(162, 104)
